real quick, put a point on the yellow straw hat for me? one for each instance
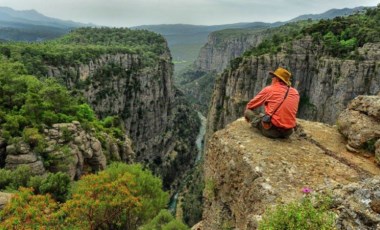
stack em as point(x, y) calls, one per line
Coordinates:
point(283, 74)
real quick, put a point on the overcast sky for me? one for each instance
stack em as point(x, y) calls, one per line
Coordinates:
point(126, 13)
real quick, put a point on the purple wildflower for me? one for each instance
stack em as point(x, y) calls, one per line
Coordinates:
point(306, 190)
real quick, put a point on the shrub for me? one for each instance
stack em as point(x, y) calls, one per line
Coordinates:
point(122, 196)
point(164, 221)
point(32, 136)
point(304, 214)
point(20, 177)
point(85, 113)
point(56, 184)
point(35, 183)
point(28, 211)
point(5, 178)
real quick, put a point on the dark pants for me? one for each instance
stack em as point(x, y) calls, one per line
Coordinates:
point(273, 132)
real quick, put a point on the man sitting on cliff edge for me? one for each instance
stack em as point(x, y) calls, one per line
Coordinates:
point(281, 105)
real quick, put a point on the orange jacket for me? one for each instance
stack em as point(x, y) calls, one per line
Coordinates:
point(271, 96)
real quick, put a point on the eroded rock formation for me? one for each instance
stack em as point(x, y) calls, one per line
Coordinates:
point(71, 149)
point(359, 123)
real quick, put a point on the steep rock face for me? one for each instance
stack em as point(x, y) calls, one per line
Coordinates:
point(69, 148)
point(325, 84)
point(219, 50)
point(246, 173)
point(143, 95)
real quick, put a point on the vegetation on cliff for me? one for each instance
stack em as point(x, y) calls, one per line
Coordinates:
point(29, 105)
point(308, 213)
point(120, 197)
point(339, 37)
point(83, 45)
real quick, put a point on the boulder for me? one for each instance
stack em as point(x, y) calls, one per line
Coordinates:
point(360, 124)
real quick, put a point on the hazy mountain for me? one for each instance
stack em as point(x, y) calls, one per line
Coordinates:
point(329, 14)
point(29, 25)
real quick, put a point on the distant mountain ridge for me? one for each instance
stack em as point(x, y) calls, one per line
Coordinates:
point(35, 18)
point(330, 14)
point(30, 25)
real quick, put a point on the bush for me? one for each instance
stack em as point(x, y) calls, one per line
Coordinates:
point(28, 211)
point(32, 136)
point(122, 197)
point(5, 178)
point(56, 184)
point(305, 214)
point(85, 113)
point(20, 177)
point(164, 221)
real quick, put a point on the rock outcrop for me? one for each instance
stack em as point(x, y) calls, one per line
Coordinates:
point(21, 154)
point(325, 84)
point(71, 149)
point(246, 173)
point(359, 123)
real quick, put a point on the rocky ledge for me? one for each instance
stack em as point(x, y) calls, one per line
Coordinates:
point(246, 173)
point(69, 148)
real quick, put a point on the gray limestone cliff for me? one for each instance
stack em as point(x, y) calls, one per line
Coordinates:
point(246, 173)
point(159, 122)
point(223, 46)
point(325, 84)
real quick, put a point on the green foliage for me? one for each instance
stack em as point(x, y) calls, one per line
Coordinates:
point(277, 37)
point(19, 177)
point(85, 112)
point(28, 105)
point(83, 45)
point(342, 35)
point(32, 136)
point(339, 37)
point(56, 184)
point(164, 221)
point(304, 214)
point(5, 178)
